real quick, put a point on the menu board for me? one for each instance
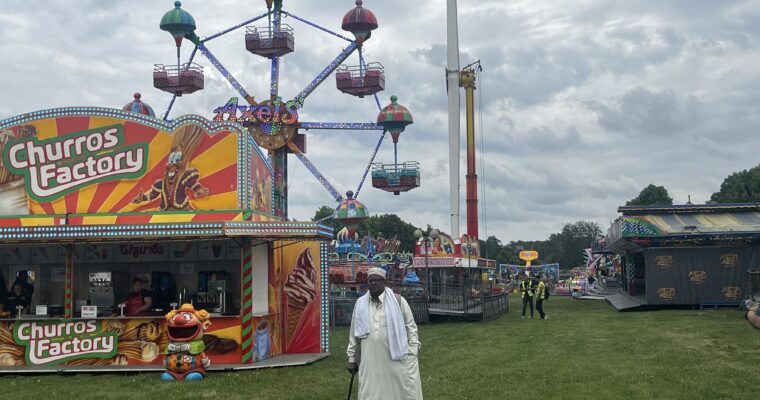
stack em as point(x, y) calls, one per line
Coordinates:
point(122, 253)
point(141, 252)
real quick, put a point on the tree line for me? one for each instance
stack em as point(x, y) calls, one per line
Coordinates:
point(564, 247)
point(739, 187)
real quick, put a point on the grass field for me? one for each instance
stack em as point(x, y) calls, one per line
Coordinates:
point(585, 350)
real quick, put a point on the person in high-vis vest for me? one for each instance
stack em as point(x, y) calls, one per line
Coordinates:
point(541, 296)
point(526, 291)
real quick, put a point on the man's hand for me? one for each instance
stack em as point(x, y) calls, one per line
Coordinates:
point(352, 367)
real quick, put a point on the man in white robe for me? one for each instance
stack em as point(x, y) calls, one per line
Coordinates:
point(388, 367)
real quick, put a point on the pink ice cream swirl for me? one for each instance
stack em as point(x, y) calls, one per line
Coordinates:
point(300, 286)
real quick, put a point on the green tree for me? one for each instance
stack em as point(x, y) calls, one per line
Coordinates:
point(324, 214)
point(651, 195)
point(739, 187)
point(572, 240)
point(389, 226)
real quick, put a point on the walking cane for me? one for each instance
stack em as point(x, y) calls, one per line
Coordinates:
point(350, 386)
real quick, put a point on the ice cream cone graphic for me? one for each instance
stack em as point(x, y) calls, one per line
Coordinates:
point(300, 289)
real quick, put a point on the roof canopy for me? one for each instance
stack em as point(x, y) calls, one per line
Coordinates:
point(684, 225)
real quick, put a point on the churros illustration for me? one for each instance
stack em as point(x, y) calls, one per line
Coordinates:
point(139, 350)
point(11, 349)
point(147, 331)
point(300, 289)
point(10, 360)
point(6, 336)
point(23, 132)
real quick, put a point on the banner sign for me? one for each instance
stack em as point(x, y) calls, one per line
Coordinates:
point(528, 255)
point(98, 160)
point(106, 342)
point(57, 342)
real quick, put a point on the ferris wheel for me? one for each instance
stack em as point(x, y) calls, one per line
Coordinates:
point(272, 122)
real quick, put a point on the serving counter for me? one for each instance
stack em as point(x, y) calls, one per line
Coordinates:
point(106, 341)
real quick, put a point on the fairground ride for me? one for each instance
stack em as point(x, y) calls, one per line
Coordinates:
point(273, 123)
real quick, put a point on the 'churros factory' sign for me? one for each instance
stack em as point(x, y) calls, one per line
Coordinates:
point(57, 166)
point(57, 342)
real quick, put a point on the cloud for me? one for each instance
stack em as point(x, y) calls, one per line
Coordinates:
point(580, 104)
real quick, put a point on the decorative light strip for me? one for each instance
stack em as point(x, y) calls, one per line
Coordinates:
point(324, 74)
point(324, 296)
point(266, 158)
point(230, 29)
point(321, 178)
point(274, 85)
point(355, 126)
point(168, 126)
point(222, 70)
point(243, 175)
point(369, 165)
point(316, 26)
point(377, 101)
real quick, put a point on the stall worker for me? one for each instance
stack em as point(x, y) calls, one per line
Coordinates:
point(139, 299)
point(22, 278)
point(17, 298)
point(3, 294)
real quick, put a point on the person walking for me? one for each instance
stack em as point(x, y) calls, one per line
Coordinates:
point(542, 289)
point(384, 335)
point(526, 292)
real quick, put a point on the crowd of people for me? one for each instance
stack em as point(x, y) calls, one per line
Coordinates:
point(19, 297)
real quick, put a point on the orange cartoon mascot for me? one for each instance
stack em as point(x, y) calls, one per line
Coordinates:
point(185, 355)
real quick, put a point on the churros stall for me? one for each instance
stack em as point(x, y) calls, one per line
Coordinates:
point(93, 198)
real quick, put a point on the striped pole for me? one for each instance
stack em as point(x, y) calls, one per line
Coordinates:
point(68, 307)
point(247, 298)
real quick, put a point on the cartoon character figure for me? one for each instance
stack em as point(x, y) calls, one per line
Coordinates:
point(178, 179)
point(185, 355)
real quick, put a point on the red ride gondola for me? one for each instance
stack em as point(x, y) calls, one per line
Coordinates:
point(361, 80)
point(269, 41)
point(179, 80)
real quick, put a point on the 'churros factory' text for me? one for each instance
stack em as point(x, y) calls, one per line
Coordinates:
point(56, 166)
point(56, 342)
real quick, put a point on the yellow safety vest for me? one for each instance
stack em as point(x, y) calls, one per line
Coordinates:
point(526, 288)
point(541, 290)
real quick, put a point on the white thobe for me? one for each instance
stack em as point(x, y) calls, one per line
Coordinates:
point(380, 377)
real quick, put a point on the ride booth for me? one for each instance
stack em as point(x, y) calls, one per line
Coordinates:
point(93, 200)
point(685, 255)
point(349, 261)
point(459, 282)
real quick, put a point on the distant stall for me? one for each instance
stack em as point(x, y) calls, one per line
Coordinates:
point(689, 254)
point(459, 282)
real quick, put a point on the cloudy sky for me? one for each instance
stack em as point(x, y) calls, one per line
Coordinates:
point(581, 103)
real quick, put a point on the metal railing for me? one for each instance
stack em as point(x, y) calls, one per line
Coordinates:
point(267, 33)
point(469, 298)
point(174, 70)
